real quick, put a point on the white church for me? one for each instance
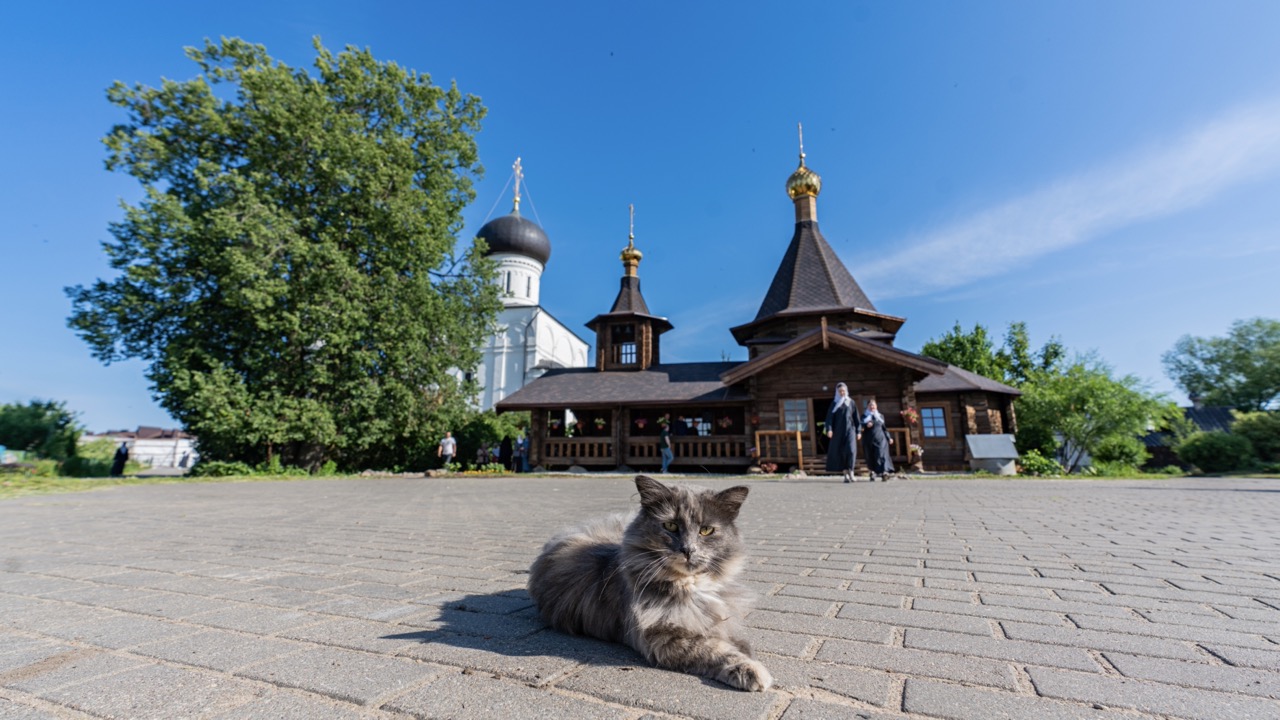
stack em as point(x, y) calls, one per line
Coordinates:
point(529, 340)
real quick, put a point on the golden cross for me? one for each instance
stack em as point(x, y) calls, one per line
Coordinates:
point(519, 174)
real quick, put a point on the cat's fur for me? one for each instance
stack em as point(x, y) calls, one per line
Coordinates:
point(667, 591)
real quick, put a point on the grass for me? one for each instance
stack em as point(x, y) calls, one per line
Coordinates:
point(12, 486)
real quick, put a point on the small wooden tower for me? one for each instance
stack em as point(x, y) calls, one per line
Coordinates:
point(627, 335)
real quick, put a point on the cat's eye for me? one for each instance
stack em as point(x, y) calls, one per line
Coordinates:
point(705, 531)
point(671, 526)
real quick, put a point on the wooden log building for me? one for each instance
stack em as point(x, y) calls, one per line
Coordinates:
point(815, 328)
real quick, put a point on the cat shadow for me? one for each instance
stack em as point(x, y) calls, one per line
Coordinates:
point(501, 633)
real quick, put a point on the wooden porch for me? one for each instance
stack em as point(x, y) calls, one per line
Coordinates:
point(720, 451)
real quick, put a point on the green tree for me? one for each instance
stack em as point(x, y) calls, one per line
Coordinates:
point(290, 274)
point(1262, 429)
point(974, 351)
point(1241, 370)
point(1014, 363)
point(1084, 410)
point(43, 427)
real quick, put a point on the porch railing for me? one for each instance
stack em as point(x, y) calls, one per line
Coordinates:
point(710, 450)
point(579, 451)
point(780, 446)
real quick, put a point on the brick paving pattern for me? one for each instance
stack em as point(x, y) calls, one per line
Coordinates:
point(392, 598)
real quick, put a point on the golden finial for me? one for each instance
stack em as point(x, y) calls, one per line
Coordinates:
point(803, 182)
point(631, 257)
point(519, 176)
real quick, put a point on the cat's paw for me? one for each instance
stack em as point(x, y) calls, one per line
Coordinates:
point(747, 675)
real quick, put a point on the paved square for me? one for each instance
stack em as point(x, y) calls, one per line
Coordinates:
point(389, 598)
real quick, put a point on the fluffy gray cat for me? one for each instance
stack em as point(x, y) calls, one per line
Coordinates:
point(661, 581)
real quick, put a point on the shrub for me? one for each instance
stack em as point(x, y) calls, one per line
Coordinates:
point(1263, 431)
point(1033, 463)
point(1121, 450)
point(1215, 452)
point(329, 468)
point(221, 468)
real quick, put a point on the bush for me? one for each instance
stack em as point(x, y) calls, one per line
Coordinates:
point(1033, 463)
point(1215, 452)
point(221, 468)
point(1263, 432)
point(1121, 450)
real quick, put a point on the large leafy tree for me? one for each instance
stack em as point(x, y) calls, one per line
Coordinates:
point(1014, 363)
point(44, 427)
point(1241, 370)
point(1083, 409)
point(291, 273)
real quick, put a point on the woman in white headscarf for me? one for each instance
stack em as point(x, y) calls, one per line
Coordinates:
point(876, 443)
point(842, 433)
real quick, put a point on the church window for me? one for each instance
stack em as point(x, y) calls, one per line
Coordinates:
point(624, 344)
point(508, 283)
point(528, 286)
point(933, 421)
point(795, 415)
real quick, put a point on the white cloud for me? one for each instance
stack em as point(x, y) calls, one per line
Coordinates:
point(1234, 148)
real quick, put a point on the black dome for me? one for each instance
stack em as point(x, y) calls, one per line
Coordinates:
point(514, 234)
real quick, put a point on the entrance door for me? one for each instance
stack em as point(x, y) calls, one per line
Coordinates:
point(821, 405)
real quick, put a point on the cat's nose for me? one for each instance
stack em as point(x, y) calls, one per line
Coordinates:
point(688, 554)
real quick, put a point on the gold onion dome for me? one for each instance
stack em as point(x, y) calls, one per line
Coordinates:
point(631, 254)
point(803, 182)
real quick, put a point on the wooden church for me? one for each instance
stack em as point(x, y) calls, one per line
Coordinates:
point(815, 328)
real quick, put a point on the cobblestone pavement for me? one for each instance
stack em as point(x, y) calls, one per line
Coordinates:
point(381, 598)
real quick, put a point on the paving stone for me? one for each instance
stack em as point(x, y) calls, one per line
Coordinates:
point(217, 649)
point(788, 603)
point(1150, 697)
point(874, 687)
point(66, 668)
point(671, 692)
point(254, 618)
point(947, 666)
point(956, 702)
point(1097, 640)
point(999, 649)
point(156, 691)
point(343, 674)
point(994, 612)
point(1200, 675)
point(1188, 633)
point(806, 709)
point(827, 627)
point(11, 709)
point(283, 704)
point(916, 618)
point(1247, 657)
point(464, 696)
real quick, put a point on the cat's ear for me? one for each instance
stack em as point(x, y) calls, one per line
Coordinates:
point(652, 492)
point(730, 501)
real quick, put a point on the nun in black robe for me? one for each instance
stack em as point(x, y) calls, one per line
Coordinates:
point(875, 443)
point(842, 433)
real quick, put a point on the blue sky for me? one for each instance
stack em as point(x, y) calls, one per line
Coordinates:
point(1107, 172)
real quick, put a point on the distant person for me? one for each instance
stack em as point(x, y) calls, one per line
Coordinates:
point(521, 462)
point(682, 426)
point(507, 449)
point(664, 444)
point(876, 443)
point(448, 448)
point(842, 431)
point(118, 462)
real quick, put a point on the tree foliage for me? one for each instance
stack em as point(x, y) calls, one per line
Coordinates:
point(1241, 370)
point(1215, 452)
point(43, 427)
point(1013, 363)
point(1262, 429)
point(290, 274)
point(1084, 410)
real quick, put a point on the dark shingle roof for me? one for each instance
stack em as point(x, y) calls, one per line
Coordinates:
point(660, 384)
point(630, 303)
point(811, 276)
point(957, 379)
point(1207, 419)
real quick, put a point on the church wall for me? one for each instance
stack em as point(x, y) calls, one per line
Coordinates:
point(813, 374)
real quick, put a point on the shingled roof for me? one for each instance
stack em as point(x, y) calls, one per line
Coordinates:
point(631, 303)
point(811, 276)
point(957, 379)
point(659, 385)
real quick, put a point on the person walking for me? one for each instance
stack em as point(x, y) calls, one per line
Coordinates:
point(664, 444)
point(447, 449)
point(876, 443)
point(521, 463)
point(506, 450)
point(842, 430)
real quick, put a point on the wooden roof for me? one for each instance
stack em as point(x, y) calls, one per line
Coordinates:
point(659, 385)
point(957, 379)
point(851, 342)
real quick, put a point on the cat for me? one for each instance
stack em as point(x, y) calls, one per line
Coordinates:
point(661, 581)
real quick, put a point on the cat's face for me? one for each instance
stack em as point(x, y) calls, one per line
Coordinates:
point(686, 532)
